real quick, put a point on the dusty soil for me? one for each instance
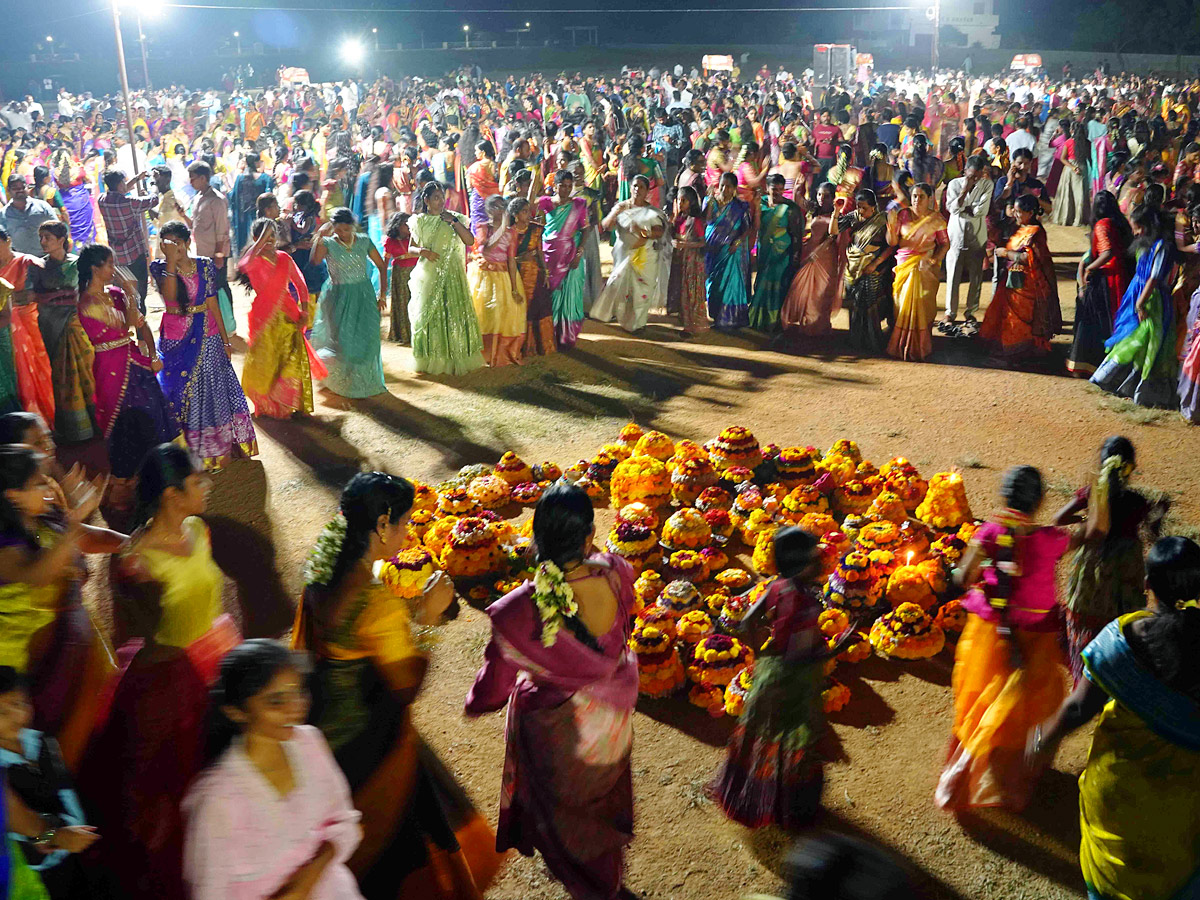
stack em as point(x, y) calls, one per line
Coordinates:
point(888, 744)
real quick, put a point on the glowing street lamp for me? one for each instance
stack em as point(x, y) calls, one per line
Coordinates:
point(237, 36)
point(375, 31)
point(467, 35)
point(352, 52)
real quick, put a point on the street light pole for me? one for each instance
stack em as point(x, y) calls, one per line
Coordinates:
point(467, 35)
point(937, 28)
point(125, 86)
point(237, 36)
point(142, 41)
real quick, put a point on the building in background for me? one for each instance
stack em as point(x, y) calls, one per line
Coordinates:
point(965, 23)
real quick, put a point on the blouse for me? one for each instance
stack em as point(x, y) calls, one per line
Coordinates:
point(244, 840)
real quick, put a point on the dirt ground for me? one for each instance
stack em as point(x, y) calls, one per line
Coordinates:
point(889, 743)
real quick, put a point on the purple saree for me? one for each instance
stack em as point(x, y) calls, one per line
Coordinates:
point(567, 789)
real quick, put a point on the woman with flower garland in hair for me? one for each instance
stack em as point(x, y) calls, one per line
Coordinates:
point(271, 815)
point(167, 591)
point(1107, 571)
point(772, 774)
point(1009, 664)
point(559, 658)
point(1138, 805)
point(421, 836)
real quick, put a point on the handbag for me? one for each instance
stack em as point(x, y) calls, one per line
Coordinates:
point(1016, 279)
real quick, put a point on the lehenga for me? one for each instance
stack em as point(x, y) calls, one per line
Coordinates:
point(346, 331)
point(539, 318)
point(641, 270)
point(10, 400)
point(421, 835)
point(996, 706)
point(565, 278)
point(1024, 314)
point(816, 291)
point(685, 290)
point(55, 285)
point(147, 748)
point(500, 312)
point(567, 788)
point(280, 364)
point(197, 376)
point(400, 275)
point(1141, 362)
point(775, 265)
point(445, 330)
point(726, 263)
point(914, 290)
point(1099, 301)
point(131, 409)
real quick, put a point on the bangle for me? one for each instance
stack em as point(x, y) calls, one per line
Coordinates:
point(45, 837)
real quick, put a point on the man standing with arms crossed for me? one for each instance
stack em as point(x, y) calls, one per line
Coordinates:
point(968, 199)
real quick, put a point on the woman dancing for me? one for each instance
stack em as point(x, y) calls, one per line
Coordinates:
point(566, 217)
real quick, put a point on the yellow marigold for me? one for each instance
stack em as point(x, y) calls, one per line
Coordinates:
point(833, 622)
point(835, 697)
point(641, 479)
point(655, 444)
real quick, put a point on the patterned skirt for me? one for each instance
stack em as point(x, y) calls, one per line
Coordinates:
point(401, 331)
point(276, 375)
point(685, 291)
point(862, 298)
point(71, 359)
point(772, 774)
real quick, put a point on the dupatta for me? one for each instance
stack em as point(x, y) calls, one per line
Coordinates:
point(175, 379)
point(276, 287)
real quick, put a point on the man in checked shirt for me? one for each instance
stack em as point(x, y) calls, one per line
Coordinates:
point(125, 223)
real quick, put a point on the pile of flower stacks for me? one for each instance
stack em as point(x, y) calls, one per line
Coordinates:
point(696, 522)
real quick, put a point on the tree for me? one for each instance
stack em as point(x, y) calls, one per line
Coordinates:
point(1113, 25)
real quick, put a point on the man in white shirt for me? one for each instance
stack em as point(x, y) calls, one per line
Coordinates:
point(968, 199)
point(1021, 138)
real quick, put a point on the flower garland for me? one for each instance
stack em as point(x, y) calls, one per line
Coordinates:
point(318, 567)
point(554, 600)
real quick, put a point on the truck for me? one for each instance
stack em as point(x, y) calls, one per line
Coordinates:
point(834, 61)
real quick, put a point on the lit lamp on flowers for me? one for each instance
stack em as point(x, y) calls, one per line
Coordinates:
point(945, 505)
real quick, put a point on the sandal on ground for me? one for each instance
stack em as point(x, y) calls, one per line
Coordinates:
point(946, 327)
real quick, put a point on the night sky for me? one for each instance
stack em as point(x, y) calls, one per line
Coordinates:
point(185, 30)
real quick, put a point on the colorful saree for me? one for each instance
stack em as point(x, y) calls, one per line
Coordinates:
point(481, 178)
point(863, 289)
point(500, 312)
point(280, 364)
point(445, 328)
point(914, 290)
point(1099, 301)
point(685, 289)
point(197, 377)
point(775, 263)
point(567, 788)
point(1141, 362)
point(815, 293)
point(539, 319)
point(1189, 364)
point(126, 388)
point(421, 835)
point(35, 386)
point(55, 285)
point(1021, 320)
point(1146, 745)
point(726, 263)
point(560, 244)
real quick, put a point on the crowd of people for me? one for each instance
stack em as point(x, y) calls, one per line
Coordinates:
point(162, 756)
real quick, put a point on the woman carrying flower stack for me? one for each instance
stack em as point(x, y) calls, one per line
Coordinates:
point(1009, 665)
point(559, 656)
point(772, 775)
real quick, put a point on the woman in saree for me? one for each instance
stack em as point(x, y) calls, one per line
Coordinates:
point(796, 166)
point(591, 154)
point(1141, 363)
point(593, 277)
point(685, 288)
point(346, 330)
point(167, 592)
point(780, 238)
point(35, 386)
point(566, 217)
point(867, 251)
point(1141, 678)
point(421, 836)
point(726, 259)
point(54, 283)
point(559, 659)
point(641, 261)
point(1071, 202)
point(751, 171)
point(1009, 666)
point(773, 774)
point(77, 200)
point(880, 173)
point(1102, 278)
point(496, 289)
point(846, 179)
point(636, 162)
point(299, 230)
point(919, 236)
point(279, 367)
point(481, 178)
point(131, 409)
point(197, 376)
point(531, 266)
point(815, 293)
point(1058, 145)
point(46, 632)
point(445, 328)
point(1024, 315)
